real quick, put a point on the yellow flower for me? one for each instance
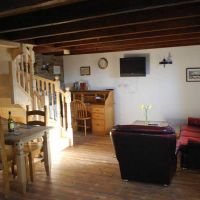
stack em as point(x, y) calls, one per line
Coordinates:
point(142, 106)
point(145, 107)
point(149, 106)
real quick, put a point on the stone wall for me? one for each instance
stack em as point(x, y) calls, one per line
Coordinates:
point(44, 65)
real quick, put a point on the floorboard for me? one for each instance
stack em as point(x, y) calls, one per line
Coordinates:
point(89, 171)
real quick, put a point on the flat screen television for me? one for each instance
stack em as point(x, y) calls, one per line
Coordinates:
point(133, 66)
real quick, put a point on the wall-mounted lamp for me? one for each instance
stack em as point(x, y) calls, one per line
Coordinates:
point(167, 60)
point(45, 67)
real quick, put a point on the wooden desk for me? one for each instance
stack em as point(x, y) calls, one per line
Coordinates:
point(18, 139)
point(100, 103)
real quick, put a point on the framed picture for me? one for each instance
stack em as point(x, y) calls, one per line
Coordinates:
point(56, 70)
point(85, 71)
point(193, 74)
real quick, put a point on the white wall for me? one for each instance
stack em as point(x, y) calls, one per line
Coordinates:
point(172, 98)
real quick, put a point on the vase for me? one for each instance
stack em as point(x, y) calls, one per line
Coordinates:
point(146, 118)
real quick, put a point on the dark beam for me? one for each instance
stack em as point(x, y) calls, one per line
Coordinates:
point(47, 49)
point(158, 15)
point(122, 34)
point(143, 40)
point(96, 9)
point(13, 7)
point(76, 36)
point(138, 46)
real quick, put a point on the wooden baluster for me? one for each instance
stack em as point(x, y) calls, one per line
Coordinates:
point(31, 75)
point(26, 77)
point(18, 70)
point(34, 94)
point(61, 110)
point(47, 111)
point(23, 62)
point(57, 92)
point(52, 100)
point(69, 120)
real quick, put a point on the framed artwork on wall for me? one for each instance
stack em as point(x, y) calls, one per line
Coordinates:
point(193, 74)
point(85, 71)
point(56, 70)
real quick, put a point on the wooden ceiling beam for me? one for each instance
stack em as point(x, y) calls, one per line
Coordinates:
point(122, 21)
point(133, 35)
point(48, 49)
point(147, 40)
point(11, 7)
point(76, 36)
point(97, 11)
point(137, 47)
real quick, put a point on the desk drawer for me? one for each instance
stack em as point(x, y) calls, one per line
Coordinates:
point(98, 110)
point(98, 116)
point(98, 125)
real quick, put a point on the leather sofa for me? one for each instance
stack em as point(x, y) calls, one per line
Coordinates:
point(189, 144)
point(145, 153)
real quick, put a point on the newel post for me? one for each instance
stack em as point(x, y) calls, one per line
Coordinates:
point(69, 119)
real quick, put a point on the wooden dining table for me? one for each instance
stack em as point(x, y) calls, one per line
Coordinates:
point(17, 139)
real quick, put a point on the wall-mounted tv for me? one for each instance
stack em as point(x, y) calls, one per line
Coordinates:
point(132, 66)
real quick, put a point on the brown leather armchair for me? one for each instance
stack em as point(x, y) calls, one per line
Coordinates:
point(145, 153)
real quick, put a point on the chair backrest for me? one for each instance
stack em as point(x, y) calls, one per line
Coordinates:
point(33, 117)
point(79, 110)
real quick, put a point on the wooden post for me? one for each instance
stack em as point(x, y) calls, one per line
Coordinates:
point(57, 91)
point(21, 168)
point(64, 113)
point(46, 103)
point(69, 119)
point(47, 154)
point(31, 65)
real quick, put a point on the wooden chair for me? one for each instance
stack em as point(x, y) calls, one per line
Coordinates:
point(80, 114)
point(6, 160)
point(35, 148)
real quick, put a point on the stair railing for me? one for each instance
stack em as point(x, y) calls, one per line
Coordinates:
point(45, 92)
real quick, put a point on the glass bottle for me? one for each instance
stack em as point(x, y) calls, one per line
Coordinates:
point(11, 125)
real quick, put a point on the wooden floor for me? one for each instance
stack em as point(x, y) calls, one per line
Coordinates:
point(89, 171)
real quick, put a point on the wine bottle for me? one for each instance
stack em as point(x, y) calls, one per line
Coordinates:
point(11, 125)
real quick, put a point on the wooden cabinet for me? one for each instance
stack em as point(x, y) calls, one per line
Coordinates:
point(100, 104)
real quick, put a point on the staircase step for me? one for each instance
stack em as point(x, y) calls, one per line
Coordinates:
point(4, 79)
point(18, 113)
point(4, 91)
point(5, 101)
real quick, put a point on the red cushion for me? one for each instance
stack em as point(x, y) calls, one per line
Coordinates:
point(193, 121)
point(196, 140)
point(190, 134)
point(190, 128)
point(183, 141)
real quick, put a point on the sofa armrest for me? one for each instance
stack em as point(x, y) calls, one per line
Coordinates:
point(193, 121)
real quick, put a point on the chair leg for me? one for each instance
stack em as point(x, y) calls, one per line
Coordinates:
point(6, 182)
point(31, 166)
point(27, 169)
point(85, 127)
point(13, 169)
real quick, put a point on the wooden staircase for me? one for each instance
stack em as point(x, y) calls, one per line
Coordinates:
point(6, 104)
point(20, 87)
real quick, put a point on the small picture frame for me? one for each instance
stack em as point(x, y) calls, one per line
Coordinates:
point(56, 70)
point(193, 74)
point(84, 71)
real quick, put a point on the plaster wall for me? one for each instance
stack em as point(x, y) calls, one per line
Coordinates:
point(173, 99)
